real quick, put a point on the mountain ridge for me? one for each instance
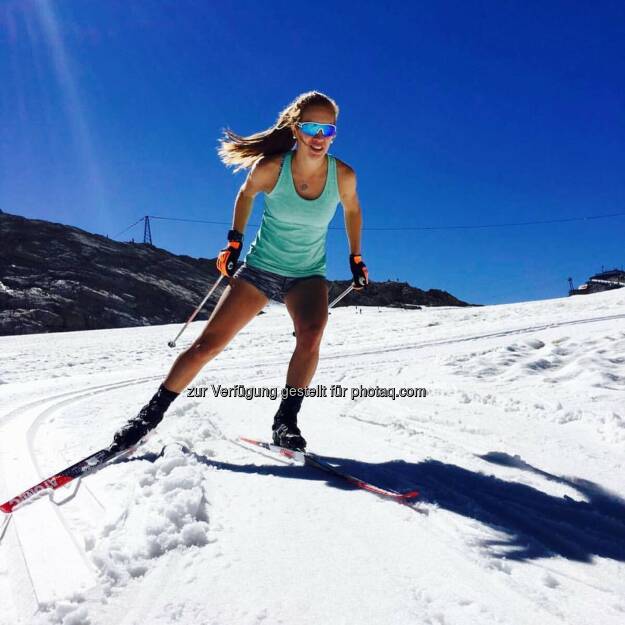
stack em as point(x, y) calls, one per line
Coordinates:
point(55, 278)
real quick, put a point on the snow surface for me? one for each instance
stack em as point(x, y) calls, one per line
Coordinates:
point(518, 451)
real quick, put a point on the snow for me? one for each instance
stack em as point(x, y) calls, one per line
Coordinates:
point(517, 450)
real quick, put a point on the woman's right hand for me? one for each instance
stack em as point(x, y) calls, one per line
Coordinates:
point(229, 256)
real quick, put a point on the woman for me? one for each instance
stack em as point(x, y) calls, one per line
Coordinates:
point(286, 260)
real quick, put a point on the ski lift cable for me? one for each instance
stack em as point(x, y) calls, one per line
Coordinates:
point(510, 224)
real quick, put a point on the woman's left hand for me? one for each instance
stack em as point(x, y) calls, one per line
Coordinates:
point(359, 271)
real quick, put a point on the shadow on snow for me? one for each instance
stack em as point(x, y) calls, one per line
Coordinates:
point(535, 524)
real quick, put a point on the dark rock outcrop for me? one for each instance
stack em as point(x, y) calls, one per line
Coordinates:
point(57, 278)
point(394, 295)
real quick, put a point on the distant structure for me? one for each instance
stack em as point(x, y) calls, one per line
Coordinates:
point(147, 231)
point(604, 281)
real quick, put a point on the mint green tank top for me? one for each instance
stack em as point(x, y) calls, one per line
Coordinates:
point(291, 240)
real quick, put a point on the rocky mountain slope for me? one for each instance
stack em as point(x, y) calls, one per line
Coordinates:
point(55, 278)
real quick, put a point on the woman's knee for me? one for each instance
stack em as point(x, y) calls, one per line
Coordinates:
point(309, 335)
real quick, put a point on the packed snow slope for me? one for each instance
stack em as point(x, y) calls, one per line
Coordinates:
point(517, 450)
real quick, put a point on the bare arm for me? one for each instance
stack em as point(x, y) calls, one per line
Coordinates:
point(351, 207)
point(242, 209)
point(261, 179)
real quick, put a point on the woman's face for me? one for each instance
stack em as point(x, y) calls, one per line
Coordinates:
point(318, 146)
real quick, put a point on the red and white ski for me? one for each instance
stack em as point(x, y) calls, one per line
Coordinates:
point(86, 465)
point(310, 459)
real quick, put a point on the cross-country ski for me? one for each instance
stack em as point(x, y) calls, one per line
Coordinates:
point(310, 459)
point(64, 477)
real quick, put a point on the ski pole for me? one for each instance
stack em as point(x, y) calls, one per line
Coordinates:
point(336, 300)
point(195, 312)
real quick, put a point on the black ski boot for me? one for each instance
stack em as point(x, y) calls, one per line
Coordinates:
point(286, 433)
point(148, 418)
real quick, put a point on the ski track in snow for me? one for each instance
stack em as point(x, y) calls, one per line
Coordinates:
point(517, 451)
point(46, 522)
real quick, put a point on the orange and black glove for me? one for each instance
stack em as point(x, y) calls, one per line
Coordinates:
point(359, 271)
point(229, 256)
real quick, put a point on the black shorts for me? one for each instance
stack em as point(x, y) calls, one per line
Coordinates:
point(273, 285)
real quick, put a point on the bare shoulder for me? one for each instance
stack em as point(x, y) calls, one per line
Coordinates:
point(344, 170)
point(267, 164)
point(264, 174)
point(346, 176)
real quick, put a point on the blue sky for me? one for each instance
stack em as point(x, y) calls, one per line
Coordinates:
point(452, 113)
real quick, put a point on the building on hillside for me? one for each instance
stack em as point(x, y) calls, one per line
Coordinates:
point(604, 281)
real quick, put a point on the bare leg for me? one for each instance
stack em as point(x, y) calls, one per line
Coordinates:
point(239, 304)
point(307, 303)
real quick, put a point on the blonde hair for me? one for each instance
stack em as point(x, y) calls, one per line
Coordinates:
point(242, 152)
